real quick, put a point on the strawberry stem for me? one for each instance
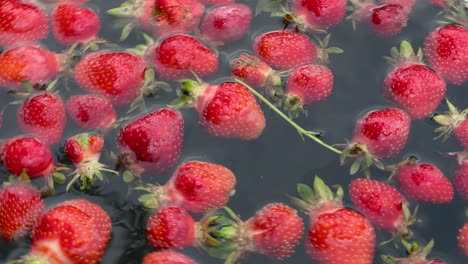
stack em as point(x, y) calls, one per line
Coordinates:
point(302, 132)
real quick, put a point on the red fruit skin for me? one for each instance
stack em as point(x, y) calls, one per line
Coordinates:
point(379, 202)
point(340, 235)
point(275, 230)
point(20, 206)
point(74, 24)
point(415, 88)
point(251, 70)
point(384, 132)
point(200, 186)
point(463, 239)
point(21, 23)
point(424, 182)
point(227, 23)
point(91, 112)
point(312, 83)
point(406, 4)
point(386, 20)
point(229, 110)
point(319, 14)
point(74, 231)
point(167, 257)
point(461, 180)
point(43, 115)
point(285, 49)
point(80, 152)
point(116, 75)
point(176, 56)
point(461, 133)
point(216, 2)
point(27, 63)
point(154, 141)
point(77, 2)
point(27, 154)
point(171, 227)
point(446, 49)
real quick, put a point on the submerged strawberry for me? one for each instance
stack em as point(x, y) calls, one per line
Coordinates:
point(460, 179)
point(318, 14)
point(167, 257)
point(255, 71)
point(385, 20)
point(463, 239)
point(91, 112)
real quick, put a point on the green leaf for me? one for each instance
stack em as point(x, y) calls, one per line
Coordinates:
point(334, 50)
point(59, 177)
point(306, 193)
point(299, 203)
point(355, 167)
point(149, 200)
point(394, 53)
point(322, 190)
point(128, 176)
point(406, 50)
point(126, 31)
point(406, 211)
point(99, 175)
point(267, 6)
point(24, 177)
point(149, 75)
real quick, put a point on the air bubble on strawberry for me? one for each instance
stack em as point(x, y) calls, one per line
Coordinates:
point(416, 255)
point(453, 121)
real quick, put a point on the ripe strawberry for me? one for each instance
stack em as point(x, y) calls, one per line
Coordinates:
point(226, 23)
point(43, 115)
point(152, 142)
point(406, 4)
point(171, 227)
point(463, 239)
point(255, 71)
point(74, 231)
point(417, 255)
point(226, 110)
point(318, 14)
point(446, 49)
point(336, 234)
point(33, 64)
point(117, 75)
point(21, 23)
point(195, 186)
point(20, 206)
point(74, 24)
point(176, 57)
point(381, 204)
point(461, 179)
point(167, 257)
point(385, 20)
point(285, 49)
point(91, 112)
point(411, 85)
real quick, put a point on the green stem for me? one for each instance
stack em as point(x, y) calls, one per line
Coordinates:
point(300, 130)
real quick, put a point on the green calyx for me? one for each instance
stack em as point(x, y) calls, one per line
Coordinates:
point(151, 199)
point(188, 94)
point(30, 259)
point(415, 253)
point(363, 160)
point(320, 194)
point(293, 106)
point(404, 53)
point(87, 172)
point(456, 12)
point(449, 120)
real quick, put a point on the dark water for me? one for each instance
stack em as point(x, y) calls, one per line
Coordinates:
point(271, 166)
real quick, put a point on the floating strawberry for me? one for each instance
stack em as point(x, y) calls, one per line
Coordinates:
point(43, 115)
point(91, 112)
point(461, 179)
point(195, 186)
point(226, 110)
point(406, 4)
point(417, 255)
point(33, 64)
point(411, 85)
point(317, 14)
point(167, 257)
point(21, 23)
point(336, 234)
point(20, 206)
point(455, 121)
point(463, 239)
point(226, 23)
point(152, 142)
point(385, 20)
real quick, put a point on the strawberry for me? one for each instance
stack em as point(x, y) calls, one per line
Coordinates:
point(336, 234)
point(285, 49)
point(417, 255)
point(446, 50)
point(385, 20)
point(117, 75)
point(91, 111)
point(406, 4)
point(226, 23)
point(463, 239)
point(411, 85)
point(171, 227)
point(454, 120)
point(152, 142)
point(21, 23)
point(167, 257)
point(226, 110)
point(20, 206)
point(254, 71)
point(74, 231)
point(74, 24)
point(216, 2)
point(461, 179)
point(30, 63)
point(381, 204)
point(179, 56)
point(318, 14)
point(43, 115)
point(75, 2)
point(195, 186)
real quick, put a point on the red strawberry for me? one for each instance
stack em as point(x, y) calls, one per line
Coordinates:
point(91, 111)
point(226, 110)
point(463, 239)
point(43, 115)
point(76, 2)
point(411, 85)
point(33, 64)
point(285, 49)
point(381, 204)
point(117, 75)
point(176, 57)
point(195, 186)
point(318, 14)
point(461, 179)
point(171, 227)
point(167, 257)
point(417, 255)
point(255, 71)
point(406, 4)
point(446, 49)
point(227, 23)
point(75, 231)
point(153, 142)
point(74, 24)
point(385, 20)
point(21, 23)
point(216, 2)
point(20, 206)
